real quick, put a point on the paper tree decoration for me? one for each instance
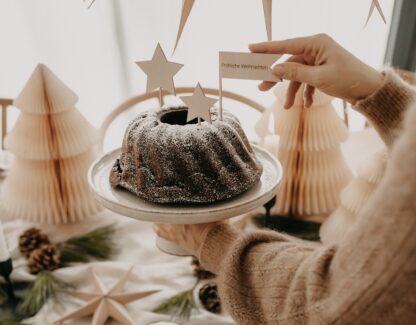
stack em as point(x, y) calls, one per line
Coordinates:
point(54, 146)
point(353, 199)
point(160, 72)
point(375, 4)
point(199, 105)
point(309, 149)
point(106, 303)
point(187, 6)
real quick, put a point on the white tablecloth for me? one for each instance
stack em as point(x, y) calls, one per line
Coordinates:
point(153, 269)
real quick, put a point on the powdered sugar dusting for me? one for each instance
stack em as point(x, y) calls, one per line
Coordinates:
point(170, 163)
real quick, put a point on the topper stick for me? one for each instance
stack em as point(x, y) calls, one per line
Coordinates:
point(199, 121)
point(161, 100)
point(220, 95)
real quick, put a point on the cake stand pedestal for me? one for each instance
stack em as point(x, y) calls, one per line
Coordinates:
point(127, 204)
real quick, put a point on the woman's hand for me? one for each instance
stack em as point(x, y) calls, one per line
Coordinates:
point(189, 237)
point(320, 62)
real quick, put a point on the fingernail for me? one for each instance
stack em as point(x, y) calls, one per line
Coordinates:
point(279, 70)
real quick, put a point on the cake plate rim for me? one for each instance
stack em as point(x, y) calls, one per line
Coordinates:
point(115, 199)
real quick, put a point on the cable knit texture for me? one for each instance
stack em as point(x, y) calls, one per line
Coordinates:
point(368, 278)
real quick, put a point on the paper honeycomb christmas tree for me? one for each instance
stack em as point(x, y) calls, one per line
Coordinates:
point(309, 149)
point(54, 146)
point(353, 199)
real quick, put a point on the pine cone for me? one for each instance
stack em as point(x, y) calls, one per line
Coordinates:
point(30, 240)
point(44, 258)
point(199, 271)
point(208, 294)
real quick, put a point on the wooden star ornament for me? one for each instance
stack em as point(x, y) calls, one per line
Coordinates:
point(199, 105)
point(106, 303)
point(187, 6)
point(160, 71)
point(186, 10)
point(267, 9)
point(375, 4)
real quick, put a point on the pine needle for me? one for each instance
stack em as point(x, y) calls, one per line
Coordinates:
point(96, 244)
point(44, 287)
point(10, 321)
point(179, 305)
point(3, 295)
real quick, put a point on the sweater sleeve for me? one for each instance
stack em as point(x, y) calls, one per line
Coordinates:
point(368, 278)
point(385, 107)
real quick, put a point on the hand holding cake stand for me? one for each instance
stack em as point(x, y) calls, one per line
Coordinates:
point(127, 204)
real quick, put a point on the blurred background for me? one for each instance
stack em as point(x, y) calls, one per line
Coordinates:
point(93, 50)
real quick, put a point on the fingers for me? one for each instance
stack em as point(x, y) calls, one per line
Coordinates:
point(293, 46)
point(291, 94)
point(296, 72)
point(308, 95)
point(163, 231)
point(266, 85)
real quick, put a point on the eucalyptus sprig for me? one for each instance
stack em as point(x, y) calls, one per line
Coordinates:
point(44, 287)
point(96, 244)
point(179, 306)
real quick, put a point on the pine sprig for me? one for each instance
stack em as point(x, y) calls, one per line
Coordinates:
point(96, 244)
point(180, 305)
point(3, 296)
point(10, 321)
point(44, 287)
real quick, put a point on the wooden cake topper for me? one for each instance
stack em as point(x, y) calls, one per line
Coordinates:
point(199, 105)
point(106, 303)
point(187, 6)
point(160, 72)
point(248, 66)
point(375, 4)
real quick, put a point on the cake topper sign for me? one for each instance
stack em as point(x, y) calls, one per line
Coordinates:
point(248, 66)
point(199, 105)
point(160, 72)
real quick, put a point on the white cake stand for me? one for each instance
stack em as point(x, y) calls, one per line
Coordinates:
point(125, 203)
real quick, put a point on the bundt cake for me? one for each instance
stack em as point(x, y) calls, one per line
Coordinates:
point(166, 160)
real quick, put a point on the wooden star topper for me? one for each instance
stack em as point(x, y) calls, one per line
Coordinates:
point(187, 6)
point(375, 4)
point(106, 303)
point(199, 105)
point(160, 72)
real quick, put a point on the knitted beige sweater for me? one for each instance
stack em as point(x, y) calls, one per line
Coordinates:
point(368, 278)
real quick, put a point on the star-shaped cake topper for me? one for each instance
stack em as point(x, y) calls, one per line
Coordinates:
point(160, 72)
point(199, 105)
point(187, 6)
point(106, 303)
point(375, 4)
